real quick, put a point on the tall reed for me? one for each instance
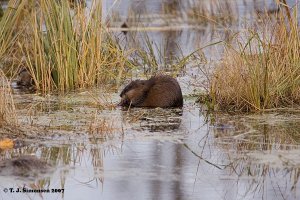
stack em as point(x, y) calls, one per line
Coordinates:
point(10, 20)
point(262, 72)
point(70, 48)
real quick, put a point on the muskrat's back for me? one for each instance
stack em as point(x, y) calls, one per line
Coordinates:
point(159, 91)
point(165, 92)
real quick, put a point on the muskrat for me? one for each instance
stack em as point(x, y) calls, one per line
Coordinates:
point(24, 78)
point(159, 91)
point(25, 165)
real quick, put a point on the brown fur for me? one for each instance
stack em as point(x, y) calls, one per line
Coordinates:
point(24, 166)
point(159, 91)
point(25, 78)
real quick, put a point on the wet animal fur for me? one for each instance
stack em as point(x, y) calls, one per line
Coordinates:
point(25, 78)
point(25, 166)
point(159, 91)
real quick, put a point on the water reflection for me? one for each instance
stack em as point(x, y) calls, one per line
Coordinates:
point(249, 133)
point(172, 49)
point(235, 157)
point(153, 120)
point(161, 153)
point(24, 166)
point(98, 153)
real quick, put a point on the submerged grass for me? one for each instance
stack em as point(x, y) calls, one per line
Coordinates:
point(102, 127)
point(262, 72)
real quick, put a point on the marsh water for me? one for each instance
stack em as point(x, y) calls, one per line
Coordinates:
point(98, 151)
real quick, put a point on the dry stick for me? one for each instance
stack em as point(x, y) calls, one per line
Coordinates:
point(195, 154)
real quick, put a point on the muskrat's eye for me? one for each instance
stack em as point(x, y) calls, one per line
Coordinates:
point(126, 102)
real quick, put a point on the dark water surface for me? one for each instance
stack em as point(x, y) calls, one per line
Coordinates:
point(101, 153)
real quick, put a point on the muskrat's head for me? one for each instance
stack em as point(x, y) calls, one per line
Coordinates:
point(134, 93)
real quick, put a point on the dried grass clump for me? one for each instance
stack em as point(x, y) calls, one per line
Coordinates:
point(9, 22)
point(104, 127)
point(262, 73)
point(69, 47)
point(7, 106)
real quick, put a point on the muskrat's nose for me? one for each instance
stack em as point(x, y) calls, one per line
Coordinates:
point(123, 102)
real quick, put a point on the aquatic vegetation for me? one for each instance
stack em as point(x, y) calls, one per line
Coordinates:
point(8, 23)
point(261, 72)
point(95, 146)
point(222, 12)
point(103, 127)
point(7, 106)
point(70, 48)
point(9, 123)
point(154, 58)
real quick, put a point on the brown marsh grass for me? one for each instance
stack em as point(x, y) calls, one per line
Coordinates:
point(11, 19)
point(7, 107)
point(104, 127)
point(261, 72)
point(69, 48)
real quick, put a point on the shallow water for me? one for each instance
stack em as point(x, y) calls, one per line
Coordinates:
point(97, 151)
point(156, 153)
